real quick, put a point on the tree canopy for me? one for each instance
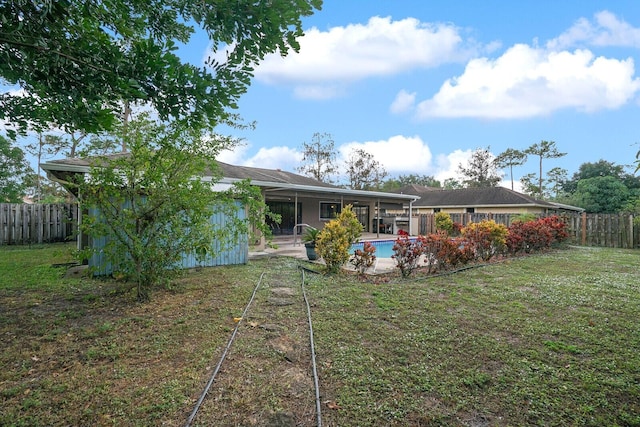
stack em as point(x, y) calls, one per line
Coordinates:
point(481, 170)
point(605, 194)
point(510, 158)
point(153, 204)
point(364, 172)
point(543, 150)
point(13, 172)
point(319, 158)
point(77, 62)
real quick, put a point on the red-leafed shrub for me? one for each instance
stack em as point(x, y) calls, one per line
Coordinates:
point(364, 258)
point(558, 228)
point(430, 246)
point(455, 252)
point(443, 252)
point(407, 253)
point(535, 235)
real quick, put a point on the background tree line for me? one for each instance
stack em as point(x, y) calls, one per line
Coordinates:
point(598, 187)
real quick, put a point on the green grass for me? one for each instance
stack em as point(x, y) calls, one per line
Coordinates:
point(24, 267)
point(543, 340)
point(549, 339)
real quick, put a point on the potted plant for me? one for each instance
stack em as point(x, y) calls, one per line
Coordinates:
point(310, 237)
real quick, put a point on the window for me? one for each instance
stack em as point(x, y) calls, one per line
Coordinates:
point(329, 210)
point(436, 210)
point(471, 210)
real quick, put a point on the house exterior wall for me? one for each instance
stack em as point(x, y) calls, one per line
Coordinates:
point(483, 209)
point(311, 211)
point(495, 210)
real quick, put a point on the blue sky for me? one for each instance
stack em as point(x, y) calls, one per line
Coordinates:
point(420, 85)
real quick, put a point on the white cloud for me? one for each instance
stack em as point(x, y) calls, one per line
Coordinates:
point(319, 92)
point(234, 157)
point(527, 82)
point(446, 165)
point(284, 158)
point(607, 30)
point(398, 154)
point(378, 48)
point(403, 102)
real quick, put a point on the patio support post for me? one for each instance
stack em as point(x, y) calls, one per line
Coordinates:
point(295, 219)
point(378, 219)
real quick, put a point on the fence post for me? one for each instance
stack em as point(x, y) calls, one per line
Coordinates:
point(583, 226)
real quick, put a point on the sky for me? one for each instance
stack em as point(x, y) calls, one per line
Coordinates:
point(422, 84)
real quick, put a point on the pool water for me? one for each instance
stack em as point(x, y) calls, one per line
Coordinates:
point(384, 248)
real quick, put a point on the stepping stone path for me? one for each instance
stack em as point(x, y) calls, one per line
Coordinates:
point(267, 379)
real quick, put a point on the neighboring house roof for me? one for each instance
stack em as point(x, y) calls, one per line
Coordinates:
point(416, 189)
point(268, 179)
point(477, 197)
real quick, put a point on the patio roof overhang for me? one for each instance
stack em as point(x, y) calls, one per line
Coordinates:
point(286, 189)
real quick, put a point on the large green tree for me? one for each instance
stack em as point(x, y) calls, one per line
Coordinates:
point(78, 63)
point(153, 204)
point(602, 194)
point(14, 169)
point(601, 168)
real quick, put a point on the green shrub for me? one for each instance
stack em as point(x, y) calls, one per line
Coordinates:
point(487, 236)
point(336, 237)
point(444, 222)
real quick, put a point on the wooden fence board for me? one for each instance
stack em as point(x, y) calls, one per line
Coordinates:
point(22, 224)
point(605, 230)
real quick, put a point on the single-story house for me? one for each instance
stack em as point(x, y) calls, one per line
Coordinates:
point(300, 200)
point(489, 200)
point(494, 200)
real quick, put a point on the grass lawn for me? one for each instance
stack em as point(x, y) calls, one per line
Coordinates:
point(551, 339)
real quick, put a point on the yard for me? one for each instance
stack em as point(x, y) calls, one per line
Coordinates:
point(549, 339)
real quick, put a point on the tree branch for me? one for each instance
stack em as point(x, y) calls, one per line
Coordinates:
point(55, 52)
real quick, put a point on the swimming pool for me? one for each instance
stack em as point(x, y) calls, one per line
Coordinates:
point(384, 248)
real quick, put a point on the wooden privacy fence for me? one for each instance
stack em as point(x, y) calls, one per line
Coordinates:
point(22, 224)
point(606, 230)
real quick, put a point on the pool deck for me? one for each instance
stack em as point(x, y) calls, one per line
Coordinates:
point(285, 247)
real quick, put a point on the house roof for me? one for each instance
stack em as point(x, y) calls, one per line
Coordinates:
point(477, 197)
point(269, 175)
point(272, 180)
